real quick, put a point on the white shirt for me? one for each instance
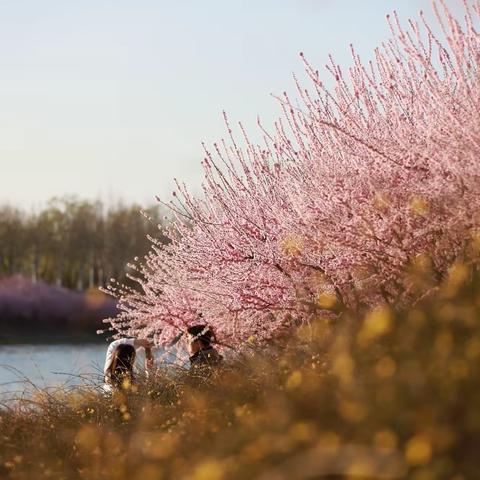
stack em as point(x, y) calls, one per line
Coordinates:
point(111, 350)
point(107, 387)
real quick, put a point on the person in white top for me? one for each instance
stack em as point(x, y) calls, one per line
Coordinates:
point(120, 360)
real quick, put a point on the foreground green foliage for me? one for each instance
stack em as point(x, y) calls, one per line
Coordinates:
point(393, 396)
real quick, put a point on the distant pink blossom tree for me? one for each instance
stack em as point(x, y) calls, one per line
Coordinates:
point(378, 177)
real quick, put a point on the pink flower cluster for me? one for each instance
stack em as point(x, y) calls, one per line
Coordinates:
point(345, 194)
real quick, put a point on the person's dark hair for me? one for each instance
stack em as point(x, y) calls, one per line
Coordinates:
point(203, 333)
point(121, 367)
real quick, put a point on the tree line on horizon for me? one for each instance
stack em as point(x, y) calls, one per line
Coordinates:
point(75, 243)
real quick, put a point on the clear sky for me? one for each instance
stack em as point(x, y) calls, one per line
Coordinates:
point(112, 99)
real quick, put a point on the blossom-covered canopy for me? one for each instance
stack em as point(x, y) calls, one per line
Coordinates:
point(348, 191)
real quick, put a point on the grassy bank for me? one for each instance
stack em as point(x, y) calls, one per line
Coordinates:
point(390, 395)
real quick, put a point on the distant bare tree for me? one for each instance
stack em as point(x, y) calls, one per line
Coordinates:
point(75, 243)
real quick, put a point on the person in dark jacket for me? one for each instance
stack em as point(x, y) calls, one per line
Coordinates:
point(200, 349)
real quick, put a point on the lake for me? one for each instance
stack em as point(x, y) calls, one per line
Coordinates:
point(50, 365)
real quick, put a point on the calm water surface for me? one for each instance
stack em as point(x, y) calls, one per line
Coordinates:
point(50, 366)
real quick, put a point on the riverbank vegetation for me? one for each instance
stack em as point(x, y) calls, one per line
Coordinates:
point(35, 312)
point(393, 394)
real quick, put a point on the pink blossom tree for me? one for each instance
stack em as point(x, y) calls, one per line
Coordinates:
point(378, 177)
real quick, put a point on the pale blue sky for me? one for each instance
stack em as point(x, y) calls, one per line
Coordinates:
point(112, 99)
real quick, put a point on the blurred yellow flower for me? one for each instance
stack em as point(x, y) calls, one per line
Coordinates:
point(88, 438)
point(302, 431)
point(326, 300)
point(385, 439)
point(241, 411)
point(294, 380)
point(343, 367)
point(154, 445)
point(416, 318)
point(148, 472)
point(381, 201)
point(329, 439)
point(352, 411)
point(209, 470)
point(458, 274)
point(126, 384)
point(361, 467)
point(444, 343)
point(385, 367)
point(377, 323)
point(419, 206)
point(422, 263)
point(292, 245)
point(418, 450)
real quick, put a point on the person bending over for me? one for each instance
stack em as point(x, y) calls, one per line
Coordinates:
point(120, 360)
